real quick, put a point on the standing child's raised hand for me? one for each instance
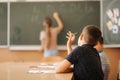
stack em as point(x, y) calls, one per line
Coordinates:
point(55, 15)
point(71, 38)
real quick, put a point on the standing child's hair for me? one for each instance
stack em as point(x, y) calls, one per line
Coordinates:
point(91, 34)
point(47, 25)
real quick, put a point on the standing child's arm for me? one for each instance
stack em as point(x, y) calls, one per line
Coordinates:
point(59, 22)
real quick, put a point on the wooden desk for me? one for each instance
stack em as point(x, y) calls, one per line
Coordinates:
point(18, 71)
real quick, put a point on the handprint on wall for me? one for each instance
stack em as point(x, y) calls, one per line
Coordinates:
point(114, 20)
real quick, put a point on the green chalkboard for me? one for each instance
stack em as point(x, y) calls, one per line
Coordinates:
point(111, 22)
point(3, 23)
point(26, 19)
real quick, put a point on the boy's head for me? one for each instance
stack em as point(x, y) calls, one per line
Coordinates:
point(90, 35)
point(99, 45)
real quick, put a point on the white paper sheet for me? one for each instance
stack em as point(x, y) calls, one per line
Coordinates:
point(46, 66)
point(41, 71)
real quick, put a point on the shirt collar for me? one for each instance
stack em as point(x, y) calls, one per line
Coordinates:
point(100, 51)
point(88, 45)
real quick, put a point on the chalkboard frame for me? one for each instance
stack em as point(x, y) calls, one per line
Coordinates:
point(36, 47)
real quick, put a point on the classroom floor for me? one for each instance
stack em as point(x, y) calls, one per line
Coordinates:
point(19, 71)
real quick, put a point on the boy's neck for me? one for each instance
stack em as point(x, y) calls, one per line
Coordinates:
point(83, 43)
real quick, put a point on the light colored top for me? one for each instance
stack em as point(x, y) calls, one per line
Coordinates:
point(105, 64)
point(53, 38)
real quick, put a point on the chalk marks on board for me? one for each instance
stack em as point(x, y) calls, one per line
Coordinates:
point(35, 14)
point(17, 34)
point(110, 21)
point(113, 23)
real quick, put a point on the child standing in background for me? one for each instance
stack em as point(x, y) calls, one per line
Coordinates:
point(85, 58)
point(103, 57)
point(48, 37)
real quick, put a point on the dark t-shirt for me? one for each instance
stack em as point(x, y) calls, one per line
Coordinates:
point(87, 64)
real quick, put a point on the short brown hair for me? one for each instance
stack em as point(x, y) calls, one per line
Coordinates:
point(100, 40)
point(91, 34)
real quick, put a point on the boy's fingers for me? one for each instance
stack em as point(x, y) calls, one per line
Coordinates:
point(67, 37)
point(72, 34)
point(69, 32)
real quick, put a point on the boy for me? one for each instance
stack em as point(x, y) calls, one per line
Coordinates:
point(103, 57)
point(85, 58)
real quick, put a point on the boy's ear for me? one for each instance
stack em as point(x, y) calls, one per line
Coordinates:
point(96, 43)
point(81, 36)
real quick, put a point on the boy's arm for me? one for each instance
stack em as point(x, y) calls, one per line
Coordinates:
point(64, 66)
point(71, 38)
point(59, 22)
point(69, 48)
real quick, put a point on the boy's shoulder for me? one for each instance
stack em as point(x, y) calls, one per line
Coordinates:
point(83, 46)
point(86, 48)
point(78, 49)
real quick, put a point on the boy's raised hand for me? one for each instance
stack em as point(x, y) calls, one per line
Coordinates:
point(71, 38)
